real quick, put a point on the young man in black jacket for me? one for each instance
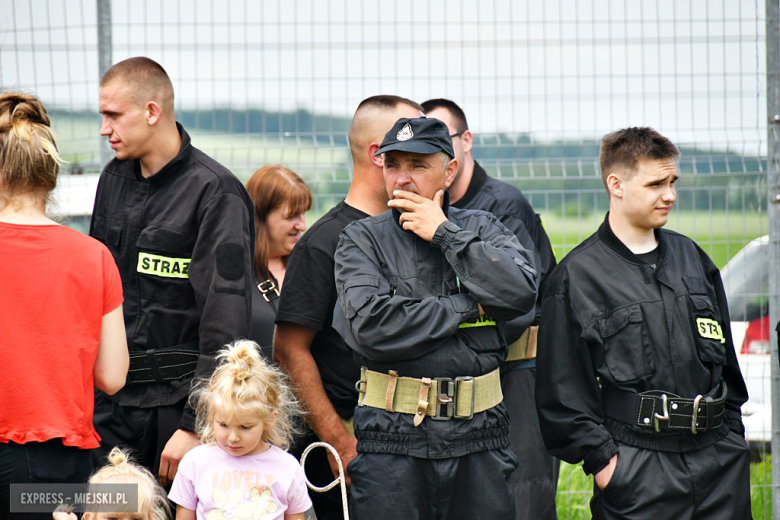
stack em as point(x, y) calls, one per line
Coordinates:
point(180, 227)
point(424, 291)
point(636, 370)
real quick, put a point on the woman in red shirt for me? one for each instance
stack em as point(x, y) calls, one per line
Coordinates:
point(60, 315)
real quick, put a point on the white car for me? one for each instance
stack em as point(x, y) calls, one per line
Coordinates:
point(746, 279)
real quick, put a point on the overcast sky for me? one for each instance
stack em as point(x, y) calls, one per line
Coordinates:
point(559, 69)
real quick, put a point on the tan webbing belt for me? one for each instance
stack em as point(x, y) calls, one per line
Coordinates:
point(525, 347)
point(441, 398)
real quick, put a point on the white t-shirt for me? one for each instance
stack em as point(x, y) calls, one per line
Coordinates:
point(218, 485)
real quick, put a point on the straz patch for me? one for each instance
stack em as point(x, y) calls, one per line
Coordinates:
point(483, 321)
point(710, 329)
point(164, 266)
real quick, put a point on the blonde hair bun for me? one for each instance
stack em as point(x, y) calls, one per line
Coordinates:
point(29, 160)
point(118, 456)
point(244, 380)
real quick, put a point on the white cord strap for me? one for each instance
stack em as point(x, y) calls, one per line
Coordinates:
point(330, 486)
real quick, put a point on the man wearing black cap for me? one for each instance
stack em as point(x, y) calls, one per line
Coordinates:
point(424, 291)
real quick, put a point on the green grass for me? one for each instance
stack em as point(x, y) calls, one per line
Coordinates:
point(575, 490)
point(760, 491)
point(721, 234)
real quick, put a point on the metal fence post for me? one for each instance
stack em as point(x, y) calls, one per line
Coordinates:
point(104, 59)
point(773, 210)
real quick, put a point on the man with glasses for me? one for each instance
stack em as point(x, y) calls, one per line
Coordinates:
point(536, 478)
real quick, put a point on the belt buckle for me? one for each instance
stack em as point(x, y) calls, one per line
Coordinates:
point(695, 418)
point(266, 287)
point(664, 417)
point(360, 386)
point(459, 380)
point(445, 398)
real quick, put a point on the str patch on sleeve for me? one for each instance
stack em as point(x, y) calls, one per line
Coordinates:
point(230, 261)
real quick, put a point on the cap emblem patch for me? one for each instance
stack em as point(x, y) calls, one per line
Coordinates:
point(405, 133)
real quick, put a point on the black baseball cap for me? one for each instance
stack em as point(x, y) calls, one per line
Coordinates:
point(420, 135)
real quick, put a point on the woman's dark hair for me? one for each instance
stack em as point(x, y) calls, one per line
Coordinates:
point(271, 187)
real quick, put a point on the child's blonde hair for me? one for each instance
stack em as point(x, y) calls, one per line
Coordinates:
point(152, 500)
point(244, 380)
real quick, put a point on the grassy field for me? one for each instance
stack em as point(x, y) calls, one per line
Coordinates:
point(721, 234)
point(575, 490)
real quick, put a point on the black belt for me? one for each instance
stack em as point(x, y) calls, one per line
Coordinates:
point(664, 411)
point(163, 365)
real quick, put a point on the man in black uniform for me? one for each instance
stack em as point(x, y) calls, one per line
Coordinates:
point(305, 343)
point(424, 291)
point(536, 477)
point(180, 227)
point(636, 370)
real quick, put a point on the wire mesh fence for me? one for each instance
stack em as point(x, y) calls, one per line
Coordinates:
point(277, 81)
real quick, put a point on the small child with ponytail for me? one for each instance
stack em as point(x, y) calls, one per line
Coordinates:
point(152, 503)
point(245, 421)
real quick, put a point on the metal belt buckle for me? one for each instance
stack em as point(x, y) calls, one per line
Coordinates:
point(445, 398)
point(695, 418)
point(360, 386)
point(459, 380)
point(266, 287)
point(664, 417)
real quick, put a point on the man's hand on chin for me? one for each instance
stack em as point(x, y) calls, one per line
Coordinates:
point(419, 215)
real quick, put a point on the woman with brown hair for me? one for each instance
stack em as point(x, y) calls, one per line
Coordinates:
point(63, 332)
point(281, 198)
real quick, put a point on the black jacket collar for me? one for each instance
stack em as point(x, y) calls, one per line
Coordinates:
point(445, 206)
point(185, 151)
point(478, 179)
point(609, 238)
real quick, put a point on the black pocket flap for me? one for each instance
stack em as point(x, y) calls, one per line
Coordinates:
point(616, 321)
point(169, 240)
point(362, 280)
point(107, 229)
point(702, 303)
point(358, 291)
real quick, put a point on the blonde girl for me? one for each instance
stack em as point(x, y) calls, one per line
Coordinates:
point(152, 503)
point(245, 421)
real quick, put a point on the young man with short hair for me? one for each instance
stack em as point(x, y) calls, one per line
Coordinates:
point(181, 229)
point(636, 370)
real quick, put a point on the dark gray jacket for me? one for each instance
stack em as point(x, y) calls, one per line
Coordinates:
point(196, 212)
point(514, 211)
point(402, 302)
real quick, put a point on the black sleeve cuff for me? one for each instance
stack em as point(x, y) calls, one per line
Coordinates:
point(444, 235)
point(598, 460)
point(187, 421)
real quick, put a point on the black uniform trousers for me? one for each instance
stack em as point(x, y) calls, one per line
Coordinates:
point(536, 477)
point(712, 483)
point(474, 486)
point(144, 431)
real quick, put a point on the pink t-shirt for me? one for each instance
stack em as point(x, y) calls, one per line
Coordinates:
point(218, 485)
